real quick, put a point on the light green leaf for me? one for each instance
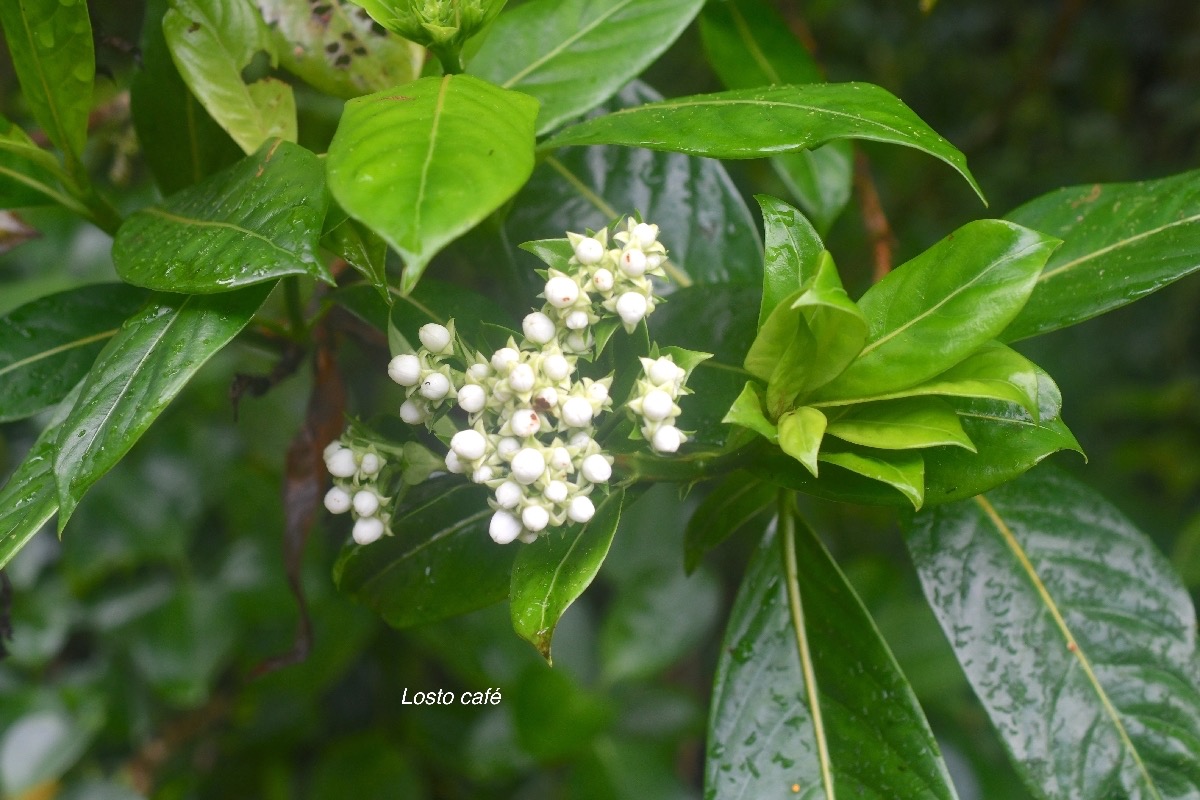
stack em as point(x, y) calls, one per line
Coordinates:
point(1097, 632)
point(747, 411)
point(211, 42)
point(775, 337)
point(424, 163)
point(838, 327)
point(913, 422)
point(255, 221)
point(792, 251)
point(572, 55)
point(731, 505)
point(29, 176)
point(903, 470)
point(800, 433)
point(755, 123)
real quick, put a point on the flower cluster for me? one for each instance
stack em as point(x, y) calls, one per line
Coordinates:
point(356, 471)
point(654, 402)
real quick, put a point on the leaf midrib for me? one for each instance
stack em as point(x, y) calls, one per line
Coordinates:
point(53, 351)
point(428, 160)
point(38, 68)
point(1070, 265)
point(212, 223)
point(537, 63)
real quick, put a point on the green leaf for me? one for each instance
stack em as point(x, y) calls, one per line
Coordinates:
point(704, 220)
point(362, 249)
point(730, 506)
point(338, 51)
point(422, 164)
point(47, 346)
point(775, 337)
point(935, 310)
point(1061, 611)
point(755, 123)
point(50, 42)
point(435, 301)
point(747, 411)
point(253, 222)
point(793, 250)
point(439, 563)
point(807, 692)
point(820, 179)
point(141, 369)
point(859, 482)
point(1121, 241)
point(800, 433)
point(913, 422)
point(903, 470)
point(29, 176)
point(838, 327)
point(552, 572)
point(211, 42)
point(572, 55)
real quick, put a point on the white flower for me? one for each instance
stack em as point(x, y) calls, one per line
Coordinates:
point(578, 341)
point(603, 280)
point(371, 464)
point(472, 398)
point(436, 338)
point(509, 494)
point(633, 263)
point(469, 445)
point(664, 370)
point(580, 439)
point(435, 386)
point(597, 392)
point(528, 465)
point(561, 291)
point(631, 307)
point(667, 439)
point(589, 251)
point(413, 413)
point(342, 464)
point(507, 447)
point(337, 500)
point(657, 405)
point(504, 527)
point(645, 234)
point(367, 530)
point(454, 464)
point(535, 518)
point(521, 378)
point(483, 474)
point(576, 412)
point(405, 369)
point(479, 371)
point(332, 448)
point(556, 367)
point(581, 509)
point(546, 399)
point(539, 328)
point(525, 423)
point(577, 320)
point(555, 491)
point(560, 459)
point(503, 357)
point(366, 502)
point(654, 260)
point(527, 537)
point(596, 468)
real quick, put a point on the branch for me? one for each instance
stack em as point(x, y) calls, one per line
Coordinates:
point(879, 232)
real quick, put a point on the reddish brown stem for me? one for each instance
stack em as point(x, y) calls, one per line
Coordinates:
point(879, 232)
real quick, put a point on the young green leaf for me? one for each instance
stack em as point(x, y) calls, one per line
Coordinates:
point(800, 433)
point(51, 47)
point(937, 309)
point(1121, 241)
point(775, 337)
point(747, 411)
point(211, 42)
point(1076, 635)
point(424, 163)
point(253, 222)
point(141, 369)
point(362, 249)
point(903, 470)
point(439, 563)
point(29, 176)
point(550, 574)
point(792, 251)
point(807, 693)
point(47, 346)
point(913, 422)
point(755, 123)
point(572, 55)
point(838, 327)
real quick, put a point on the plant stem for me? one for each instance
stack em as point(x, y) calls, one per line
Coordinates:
point(295, 308)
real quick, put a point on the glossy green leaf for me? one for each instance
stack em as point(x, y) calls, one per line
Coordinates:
point(1121, 241)
point(1076, 635)
point(855, 475)
point(338, 51)
point(807, 693)
point(820, 179)
point(800, 433)
point(362, 249)
point(755, 123)
point(903, 470)
point(747, 411)
point(435, 301)
point(572, 55)
point(932, 312)
point(838, 328)
point(424, 163)
point(793, 250)
point(47, 346)
point(913, 422)
point(50, 42)
point(255, 221)
point(28, 174)
point(439, 563)
point(775, 336)
point(550, 574)
point(705, 223)
point(211, 42)
point(141, 369)
point(733, 503)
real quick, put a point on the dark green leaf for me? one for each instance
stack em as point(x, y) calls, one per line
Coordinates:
point(800, 433)
point(140, 370)
point(434, 301)
point(28, 174)
point(1121, 241)
point(255, 221)
point(732, 503)
point(1075, 634)
point(755, 123)
point(793, 250)
point(362, 249)
point(807, 693)
point(820, 179)
point(552, 572)
point(932, 312)
point(47, 346)
point(51, 46)
point(572, 55)
point(903, 470)
point(422, 164)
point(912, 422)
point(842, 483)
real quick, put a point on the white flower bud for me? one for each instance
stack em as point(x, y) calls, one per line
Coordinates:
point(539, 328)
point(578, 341)
point(479, 371)
point(657, 405)
point(577, 320)
point(337, 500)
point(527, 537)
point(576, 412)
point(528, 465)
point(581, 509)
point(589, 251)
point(645, 234)
point(371, 464)
point(469, 444)
point(525, 423)
point(555, 491)
point(556, 367)
point(366, 502)
point(633, 263)
point(580, 439)
point(503, 357)
point(454, 464)
point(436, 338)
point(504, 527)
point(560, 458)
point(509, 494)
point(435, 386)
point(405, 369)
point(342, 464)
point(521, 378)
point(597, 392)
point(664, 370)
point(535, 518)
point(654, 260)
point(667, 439)
point(596, 468)
point(507, 447)
point(413, 413)
point(332, 448)
point(561, 291)
point(631, 307)
point(472, 398)
point(603, 280)
point(483, 474)
point(367, 530)
point(546, 399)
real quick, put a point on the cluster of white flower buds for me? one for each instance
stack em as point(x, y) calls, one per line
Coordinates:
point(655, 402)
point(356, 471)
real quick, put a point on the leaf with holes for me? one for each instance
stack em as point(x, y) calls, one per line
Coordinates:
point(253, 222)
point(424, 163)
point(572, 55)
point(1076, 635)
